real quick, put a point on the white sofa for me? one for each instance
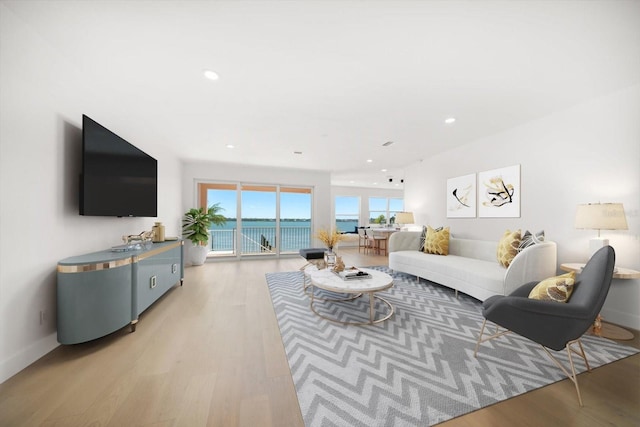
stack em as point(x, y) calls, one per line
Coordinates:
point(472, 266)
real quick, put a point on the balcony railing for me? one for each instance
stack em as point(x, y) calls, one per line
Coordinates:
point(259, 240)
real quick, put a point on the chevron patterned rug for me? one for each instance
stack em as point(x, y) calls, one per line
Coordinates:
point(415, 369)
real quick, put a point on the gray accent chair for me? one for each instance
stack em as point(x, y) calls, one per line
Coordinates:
point(552, 324)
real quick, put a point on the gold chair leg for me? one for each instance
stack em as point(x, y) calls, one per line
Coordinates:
point(570, 350)
point(475, 352)
point(571, 375)
point(497, 333)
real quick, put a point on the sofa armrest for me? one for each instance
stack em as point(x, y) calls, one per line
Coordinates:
point(534, 263)
point(404, 241)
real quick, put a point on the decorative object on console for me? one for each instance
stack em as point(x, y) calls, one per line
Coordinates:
point(461, 197)
point(158, 232)
point(133, 242)
point(499, 192)
point(195, 227)
point(600, 216)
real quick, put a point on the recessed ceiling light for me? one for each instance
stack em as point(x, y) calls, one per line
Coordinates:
point(211, 75)
point(383, 170)
point(449, 120)
point(369, 161)
point(231, 146)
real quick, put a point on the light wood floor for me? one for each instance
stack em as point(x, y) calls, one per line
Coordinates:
point(210, 354)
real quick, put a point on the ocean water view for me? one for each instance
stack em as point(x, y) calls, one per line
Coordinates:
point(259, 236)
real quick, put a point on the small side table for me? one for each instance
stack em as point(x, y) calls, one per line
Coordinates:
point(608, 330)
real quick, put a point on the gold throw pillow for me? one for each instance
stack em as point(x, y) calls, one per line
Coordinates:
point(437, 241)
point(558, 288)
point(508, 247)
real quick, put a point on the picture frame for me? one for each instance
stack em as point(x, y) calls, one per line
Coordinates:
point(461, 196)
point(499, 193)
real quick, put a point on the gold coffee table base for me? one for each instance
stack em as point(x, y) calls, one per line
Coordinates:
point(312, 296)
point(372, 319)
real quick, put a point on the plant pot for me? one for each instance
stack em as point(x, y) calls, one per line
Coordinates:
point(198, 254)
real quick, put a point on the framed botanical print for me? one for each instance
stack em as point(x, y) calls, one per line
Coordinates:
point(461, 197)
point(499, 193)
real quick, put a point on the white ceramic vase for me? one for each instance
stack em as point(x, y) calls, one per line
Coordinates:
point(198, 254)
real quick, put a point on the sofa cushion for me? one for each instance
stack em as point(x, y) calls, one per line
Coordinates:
point(557, 288)
point(452, 269)
point(437, 242)
point(508, 247)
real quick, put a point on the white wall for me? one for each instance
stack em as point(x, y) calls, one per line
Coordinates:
point(42, 99)
point(194, 172)
point(588, 153)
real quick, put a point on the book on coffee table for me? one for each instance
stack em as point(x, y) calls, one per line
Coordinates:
point(352, 273)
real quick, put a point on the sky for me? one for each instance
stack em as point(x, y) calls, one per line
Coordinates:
point(262, 204)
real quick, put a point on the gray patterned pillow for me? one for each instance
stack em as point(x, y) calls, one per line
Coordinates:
point(529, 239)
point(423, 237)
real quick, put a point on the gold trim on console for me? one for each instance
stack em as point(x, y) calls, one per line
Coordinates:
point(81, 268)
point(93, 267)
point(156, 251)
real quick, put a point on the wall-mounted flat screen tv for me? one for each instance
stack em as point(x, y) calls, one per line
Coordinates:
point(117, 178)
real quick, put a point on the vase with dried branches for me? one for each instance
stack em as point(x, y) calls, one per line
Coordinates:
point(329, 238)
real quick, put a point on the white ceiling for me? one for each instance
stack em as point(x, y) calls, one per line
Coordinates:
point(336, 80)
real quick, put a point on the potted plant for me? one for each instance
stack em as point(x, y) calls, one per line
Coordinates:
point(195, 227)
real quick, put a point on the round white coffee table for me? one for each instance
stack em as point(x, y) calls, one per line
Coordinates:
point(329, 281)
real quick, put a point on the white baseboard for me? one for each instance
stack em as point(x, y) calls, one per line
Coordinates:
point(17, 362)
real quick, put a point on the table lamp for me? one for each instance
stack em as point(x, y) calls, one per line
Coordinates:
point(404, 218)
point(600, 216)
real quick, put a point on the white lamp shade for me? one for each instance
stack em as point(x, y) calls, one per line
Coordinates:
point(601, 216)
point(404, 218)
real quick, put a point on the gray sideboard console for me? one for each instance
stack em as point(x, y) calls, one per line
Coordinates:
point(101, 292)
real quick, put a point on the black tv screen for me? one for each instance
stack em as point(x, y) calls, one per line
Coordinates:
point(117, 178)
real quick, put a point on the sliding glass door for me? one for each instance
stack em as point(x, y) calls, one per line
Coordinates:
point(295, 219)
point(260, 219)
point(222, 241)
